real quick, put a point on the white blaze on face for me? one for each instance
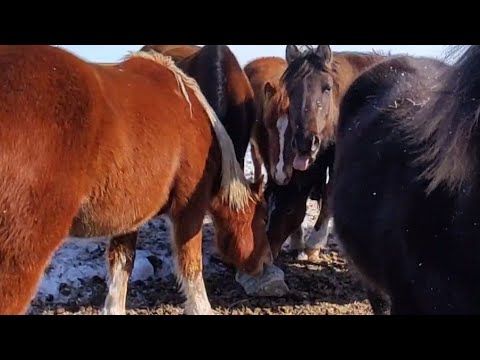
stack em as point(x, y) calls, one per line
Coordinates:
point(282, 125)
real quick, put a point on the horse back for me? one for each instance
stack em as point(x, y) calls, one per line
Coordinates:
point(176, 52)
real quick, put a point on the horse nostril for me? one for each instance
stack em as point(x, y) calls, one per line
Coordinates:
point(294, 144)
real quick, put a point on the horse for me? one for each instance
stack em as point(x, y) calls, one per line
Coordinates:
point(269, 132)
point(406, 197)
point(270, 149)
point(229, 92)
point(97, 151)
point(287, 208)
point(314, 81)
point(224, 84)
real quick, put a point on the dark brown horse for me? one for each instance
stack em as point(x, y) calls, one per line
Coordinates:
point(91, 151)
point(315, 82)
point(224, 84)
point(407, 188)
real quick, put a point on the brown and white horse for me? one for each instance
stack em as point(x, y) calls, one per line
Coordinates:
point(271, 147)
point(91, 151)
point(272, 127)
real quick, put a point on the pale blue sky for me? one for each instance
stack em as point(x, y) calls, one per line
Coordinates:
point(246, 53)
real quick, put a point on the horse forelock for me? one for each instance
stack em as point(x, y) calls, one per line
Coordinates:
point(234, 185)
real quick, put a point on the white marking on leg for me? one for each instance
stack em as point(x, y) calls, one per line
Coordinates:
point(197, 300)
point(318, 239)
point(331, 226)
point(282, 125)
point(115, 303)
point(193, 289)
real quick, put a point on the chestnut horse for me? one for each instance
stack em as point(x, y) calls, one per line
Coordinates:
point(224, 84)
point(97, 151)
point(407, 186)
point(315, 82)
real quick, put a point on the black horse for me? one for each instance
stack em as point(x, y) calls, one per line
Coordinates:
point(406, 199)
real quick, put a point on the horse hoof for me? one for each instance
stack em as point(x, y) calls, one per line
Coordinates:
point(112, 312)
point(270, 284)
point(302, 256)
point(312, 255)
point(197, 312)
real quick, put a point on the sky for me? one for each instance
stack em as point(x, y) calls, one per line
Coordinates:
point(246, 53)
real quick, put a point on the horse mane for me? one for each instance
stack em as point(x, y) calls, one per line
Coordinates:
point(446, 128)
point(215, 90)
point(310, 63)
point(234, 185)
point(304, 66)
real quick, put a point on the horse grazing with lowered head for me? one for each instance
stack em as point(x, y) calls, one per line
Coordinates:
point(407, 191)
point(314, 82)
point(224, 84)
point(228, 91)
point(97, 151)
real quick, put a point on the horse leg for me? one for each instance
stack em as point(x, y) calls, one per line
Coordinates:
point(34, 221)
point(187, 247)
point(318, 239)
point(296, 240)
point(377, 301)
point(121, 258)
point(256, 159)
point(402, 305)
point(22, 265)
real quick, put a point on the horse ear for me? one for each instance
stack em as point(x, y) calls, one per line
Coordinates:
point(258, 186)
point(296, 51)
point(269, 91)
point(325, 53)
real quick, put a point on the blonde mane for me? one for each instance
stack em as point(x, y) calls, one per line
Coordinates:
point(234, 185)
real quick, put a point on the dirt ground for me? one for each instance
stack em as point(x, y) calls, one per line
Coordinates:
point(326, 287)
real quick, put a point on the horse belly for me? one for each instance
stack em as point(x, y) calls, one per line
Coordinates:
point(126, 206)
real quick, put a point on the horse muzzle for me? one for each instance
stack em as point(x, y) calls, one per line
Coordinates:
point(306, 148)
